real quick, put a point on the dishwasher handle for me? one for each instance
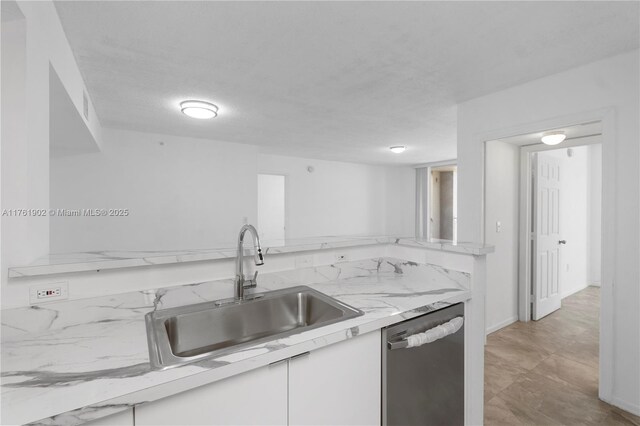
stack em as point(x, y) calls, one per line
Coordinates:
point(429, 336)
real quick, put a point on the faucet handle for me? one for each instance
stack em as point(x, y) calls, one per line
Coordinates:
point(252, 282)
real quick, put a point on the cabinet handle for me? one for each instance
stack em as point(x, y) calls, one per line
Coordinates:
point(278, 362)
point(300, 355)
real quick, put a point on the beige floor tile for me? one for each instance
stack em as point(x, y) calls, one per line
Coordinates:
point(526, 414)
point(559, 401)
point(584, 352)
point(521, 355)
point(581, 376)
point(497, 413)
point(616, 419)
point(628, 416)
point(499, 374)
point(549, 342)
point(546, 372)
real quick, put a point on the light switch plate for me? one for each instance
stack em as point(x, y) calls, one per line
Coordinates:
point(44, 293)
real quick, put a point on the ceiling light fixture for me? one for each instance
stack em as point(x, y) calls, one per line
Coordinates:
point(397, 149)
point(553, 138)
point(199, 109)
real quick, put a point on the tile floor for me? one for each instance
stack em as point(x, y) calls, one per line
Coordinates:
point(546, 372)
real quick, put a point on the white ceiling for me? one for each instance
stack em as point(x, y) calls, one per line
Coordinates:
point(330, 80)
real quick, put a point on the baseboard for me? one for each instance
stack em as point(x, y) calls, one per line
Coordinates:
point(594, 284)
point(574, 291)
point(626, 406)
point(501, 324)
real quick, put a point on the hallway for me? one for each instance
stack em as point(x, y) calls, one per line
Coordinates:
point(546, 372)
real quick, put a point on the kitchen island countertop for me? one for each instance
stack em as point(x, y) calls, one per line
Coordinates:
point(71, 362)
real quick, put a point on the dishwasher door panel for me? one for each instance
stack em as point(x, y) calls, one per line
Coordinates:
point(424, 385)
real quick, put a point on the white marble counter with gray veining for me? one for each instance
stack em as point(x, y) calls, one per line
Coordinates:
point(69, 362)
point(100, 260)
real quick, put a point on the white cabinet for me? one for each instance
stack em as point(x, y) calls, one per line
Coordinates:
point(123, 418)
point(258, 397)
point(335, 385)
point(338, 384)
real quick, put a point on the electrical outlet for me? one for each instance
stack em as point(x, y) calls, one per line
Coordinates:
point(498, 226)
point(341, 257)
point(48, 292)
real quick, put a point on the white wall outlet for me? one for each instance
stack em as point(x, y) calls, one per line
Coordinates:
point(304, 261)
point(498, 226)
point(48, 292)
point(341, 257)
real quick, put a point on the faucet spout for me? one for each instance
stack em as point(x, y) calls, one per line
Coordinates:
point(257, 258)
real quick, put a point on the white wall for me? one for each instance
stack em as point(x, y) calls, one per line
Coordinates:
point(502, 205)
point(605, 89)
point(343, 198)
point(594, 236)
point(400, 192)
point(23, 237)
point(182, 193)
point(31, 45)
point(195, 193)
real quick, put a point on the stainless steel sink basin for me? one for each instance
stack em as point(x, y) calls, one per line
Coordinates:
point(188, 333)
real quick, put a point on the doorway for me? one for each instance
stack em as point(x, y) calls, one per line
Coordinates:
point(560, 242)
point(272, 208)
point(437, 201)
point(509, 225)
point(565, 220)
point(543, 213)
point(443, 200)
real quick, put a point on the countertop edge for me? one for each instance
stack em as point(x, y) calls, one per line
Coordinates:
point(154, 393)
point(468, 248)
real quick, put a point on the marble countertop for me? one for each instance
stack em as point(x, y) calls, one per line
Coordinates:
point(70, 362)
point(99, 260)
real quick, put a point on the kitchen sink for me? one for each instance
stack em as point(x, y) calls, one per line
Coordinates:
point(190, 333)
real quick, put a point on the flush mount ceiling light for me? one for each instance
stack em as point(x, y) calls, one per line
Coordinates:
point(397, 149)
point(553, 138)
point(199, 109)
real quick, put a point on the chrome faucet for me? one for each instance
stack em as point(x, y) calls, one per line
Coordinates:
point(240, 282)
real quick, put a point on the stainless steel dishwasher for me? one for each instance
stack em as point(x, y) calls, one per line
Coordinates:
point(423, 369)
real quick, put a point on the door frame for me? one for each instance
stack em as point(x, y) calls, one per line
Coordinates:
point(525, 289)
point(609, 224)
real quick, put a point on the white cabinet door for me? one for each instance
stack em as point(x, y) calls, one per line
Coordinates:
point(258, 397)
point(124, 418)
point(338, 384)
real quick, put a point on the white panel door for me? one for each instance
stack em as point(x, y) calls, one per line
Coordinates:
point(546, 236)
point(258, 397)
point(338, 384)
